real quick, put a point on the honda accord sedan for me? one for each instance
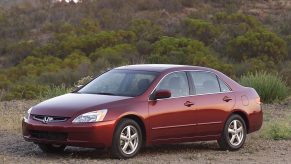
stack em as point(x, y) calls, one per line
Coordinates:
point(134, 106)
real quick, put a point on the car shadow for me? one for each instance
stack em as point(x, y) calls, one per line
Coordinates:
point(16, 146)
point(91, 153)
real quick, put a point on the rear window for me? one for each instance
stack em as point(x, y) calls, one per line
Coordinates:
point(205, 82)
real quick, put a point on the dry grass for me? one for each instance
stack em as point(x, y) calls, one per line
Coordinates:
point(12, 113)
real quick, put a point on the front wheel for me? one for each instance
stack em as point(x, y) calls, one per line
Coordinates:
point(234, 133)
point(127, 139)
point(51, 148)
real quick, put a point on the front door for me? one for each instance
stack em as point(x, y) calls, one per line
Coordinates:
point(172, 118)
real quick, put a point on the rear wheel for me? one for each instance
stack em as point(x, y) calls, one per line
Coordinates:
point(127, 139)
point(51, 148)
point(234, 133)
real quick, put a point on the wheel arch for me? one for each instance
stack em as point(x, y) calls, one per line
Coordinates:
point(244, 117)
point(139, 121)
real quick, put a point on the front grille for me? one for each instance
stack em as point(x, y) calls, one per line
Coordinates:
point(56, 136)
point(47, 119)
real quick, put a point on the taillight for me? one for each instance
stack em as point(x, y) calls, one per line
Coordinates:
point(258, 100)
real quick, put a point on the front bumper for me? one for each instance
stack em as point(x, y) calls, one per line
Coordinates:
point(95, 135)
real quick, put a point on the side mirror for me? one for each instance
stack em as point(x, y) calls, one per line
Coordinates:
point(161, 94)
point(77, 88)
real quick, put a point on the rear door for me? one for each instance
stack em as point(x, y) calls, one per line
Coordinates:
point(213, 100)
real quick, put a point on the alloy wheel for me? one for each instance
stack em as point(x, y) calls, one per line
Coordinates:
point(129, 139)
point(235, 132)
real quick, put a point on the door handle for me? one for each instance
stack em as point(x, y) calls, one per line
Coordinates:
point(226, 99)
point(188, 103)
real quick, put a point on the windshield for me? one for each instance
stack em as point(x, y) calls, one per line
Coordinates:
point(120, 83)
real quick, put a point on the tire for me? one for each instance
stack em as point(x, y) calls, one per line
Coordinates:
point(51, 148)
point(233, 138)
point(124, 145)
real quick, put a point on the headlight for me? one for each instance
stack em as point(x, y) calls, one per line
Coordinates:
point(94, 116)
point(27, 113)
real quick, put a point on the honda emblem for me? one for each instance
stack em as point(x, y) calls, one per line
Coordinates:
point(47, 119)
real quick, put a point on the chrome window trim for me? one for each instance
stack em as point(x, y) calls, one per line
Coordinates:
point(190, 95)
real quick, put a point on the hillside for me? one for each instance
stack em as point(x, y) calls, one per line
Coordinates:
point(45, 44)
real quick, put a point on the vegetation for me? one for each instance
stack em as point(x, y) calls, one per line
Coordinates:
point(270, 87)
point(46, 45)
point(277, 131)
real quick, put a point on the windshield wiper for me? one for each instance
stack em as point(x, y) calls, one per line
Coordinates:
point(104, 93)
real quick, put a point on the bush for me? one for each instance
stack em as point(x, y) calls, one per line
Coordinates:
point(200, 29)
point(177, 50)
point(116, 55)
point(270, 87)
point(146, 30)
point(255, 64)
point(84, 81)
point(33, 91)
point(54, 91)
point(286, 73)
point(25, 91)
point(257, 44)
point(170, 50)
point(277, 131)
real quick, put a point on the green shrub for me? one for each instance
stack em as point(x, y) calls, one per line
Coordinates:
point(33, 91)
point(54, 91)
point(2, 94)
point(25, 91)
point(277, 131)
point(170, 50)
point(84, 80)
point(146, 30)
point(257, 44)
point(270, 87)
point(254, 65)
point(116, 55)
point(285, 71)
point(200, 29)
point(177, 50)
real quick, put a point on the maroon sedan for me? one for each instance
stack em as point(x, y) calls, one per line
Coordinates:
point(132, 106)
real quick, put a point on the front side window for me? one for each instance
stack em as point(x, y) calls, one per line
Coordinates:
point(205, 82)
point(120, 83)
point(177, 83)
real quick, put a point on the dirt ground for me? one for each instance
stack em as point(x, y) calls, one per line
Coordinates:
point(13, 149)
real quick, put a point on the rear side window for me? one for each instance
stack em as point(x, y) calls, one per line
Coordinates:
point(177, 83)
point(223, 86)
point(205, 82)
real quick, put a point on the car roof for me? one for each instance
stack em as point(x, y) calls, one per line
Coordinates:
point(161, 67)
point(166, 68)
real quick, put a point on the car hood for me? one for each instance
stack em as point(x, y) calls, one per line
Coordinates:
point(70, 104)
